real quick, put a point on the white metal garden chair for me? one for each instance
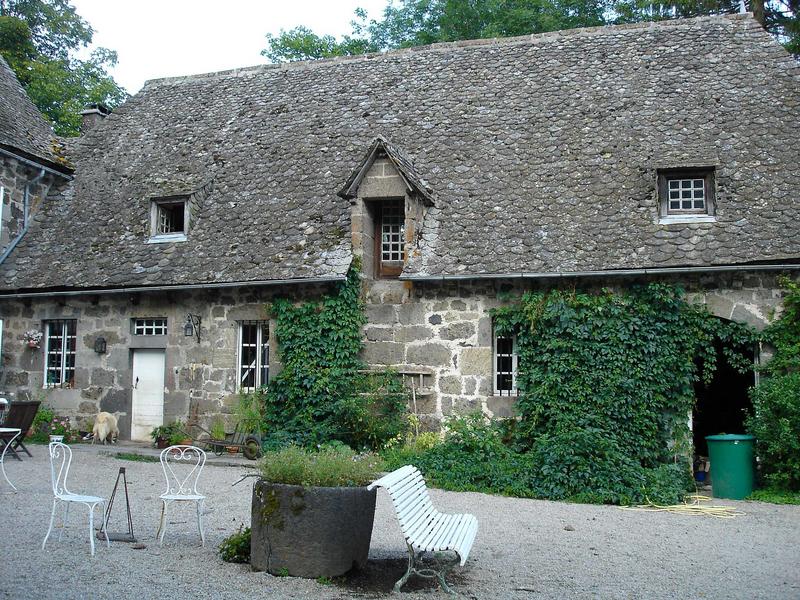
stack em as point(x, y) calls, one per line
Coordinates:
point(60, 461)
point(182, 466)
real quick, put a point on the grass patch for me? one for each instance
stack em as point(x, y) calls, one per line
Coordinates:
point(774, 496)
point(135, 457)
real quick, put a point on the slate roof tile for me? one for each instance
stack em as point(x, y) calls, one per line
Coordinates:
point(22, 127)
point(541, 152)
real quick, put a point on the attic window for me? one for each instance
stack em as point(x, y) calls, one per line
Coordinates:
point(686, 195)
point(390, 237)
point(168, 220)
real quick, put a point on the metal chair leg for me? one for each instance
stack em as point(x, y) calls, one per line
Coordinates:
point(64, 520)
point(200, 522)
point(91, 526)
point(162, 526)
point(105, 524)
point(50, 528)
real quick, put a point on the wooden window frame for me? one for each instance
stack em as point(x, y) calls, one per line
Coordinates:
point(157, 207)
point(261, 367)
point(156, 323)
point(496, 372)
point(388, 269)
point(58, 361)
point(704, 173)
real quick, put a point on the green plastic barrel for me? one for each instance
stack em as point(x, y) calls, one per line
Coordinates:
point(732, 465)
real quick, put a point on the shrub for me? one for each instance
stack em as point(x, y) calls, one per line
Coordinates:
point(236, 547)
point(776, 424)
point(330, 466)
point(775, 420)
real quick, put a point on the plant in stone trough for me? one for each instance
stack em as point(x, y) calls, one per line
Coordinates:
point(311, 514)
point(334, 465)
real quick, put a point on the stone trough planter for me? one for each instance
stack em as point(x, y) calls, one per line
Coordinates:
point(310, 531)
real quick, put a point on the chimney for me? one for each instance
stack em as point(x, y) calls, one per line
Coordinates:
point(92, 115)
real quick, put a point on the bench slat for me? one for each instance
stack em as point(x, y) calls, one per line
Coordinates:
point(430, 538)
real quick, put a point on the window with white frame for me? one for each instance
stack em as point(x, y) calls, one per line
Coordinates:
point(156, 326)
point(686, 193)
point(59, 352)
point(168, 219)
point(505, 365)
point(253, 367)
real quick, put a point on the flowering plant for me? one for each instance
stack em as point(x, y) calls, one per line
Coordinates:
point(32, 337)
point(59, 426)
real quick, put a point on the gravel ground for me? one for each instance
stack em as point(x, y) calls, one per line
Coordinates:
point(524, 549)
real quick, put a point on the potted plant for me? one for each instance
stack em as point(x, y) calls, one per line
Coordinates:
point(167, 435)
point(311, 512)
point(32, 338)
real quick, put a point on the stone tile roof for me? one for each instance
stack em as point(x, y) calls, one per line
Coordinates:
point(23, 129)
point(541, 153)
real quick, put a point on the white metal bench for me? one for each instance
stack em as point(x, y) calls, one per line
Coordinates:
point(425, 528)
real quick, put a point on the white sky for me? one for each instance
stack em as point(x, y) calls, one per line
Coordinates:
point(183, 37)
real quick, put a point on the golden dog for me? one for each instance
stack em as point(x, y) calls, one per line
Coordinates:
point(105, 428)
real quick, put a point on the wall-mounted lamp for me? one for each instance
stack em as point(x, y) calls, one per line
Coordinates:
point(192, 326)
point(100, 345)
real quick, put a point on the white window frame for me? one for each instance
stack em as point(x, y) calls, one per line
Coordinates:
point(514, 366)
point(62, 354)
point(155, 325)
point(669, 215)
point(258, 365)
point(156, 205)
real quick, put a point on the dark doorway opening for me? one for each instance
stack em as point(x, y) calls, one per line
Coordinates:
point(723, 405)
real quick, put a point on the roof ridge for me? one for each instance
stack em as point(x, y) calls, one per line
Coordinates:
point(531, 38)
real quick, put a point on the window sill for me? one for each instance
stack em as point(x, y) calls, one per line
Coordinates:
point(686, 219)
point(166, 238)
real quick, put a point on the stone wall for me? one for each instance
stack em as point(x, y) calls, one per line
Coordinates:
point(14, 176)
point(440, 335)
point(200, 377)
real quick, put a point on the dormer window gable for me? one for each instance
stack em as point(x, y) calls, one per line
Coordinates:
point(388, 201)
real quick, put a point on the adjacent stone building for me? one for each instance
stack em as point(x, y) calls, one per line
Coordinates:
point(455, 172)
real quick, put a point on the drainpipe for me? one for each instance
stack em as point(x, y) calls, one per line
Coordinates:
point(25, 215)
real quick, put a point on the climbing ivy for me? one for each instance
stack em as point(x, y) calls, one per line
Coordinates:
point(323, 392)
point(606, 384)
point(776, 401)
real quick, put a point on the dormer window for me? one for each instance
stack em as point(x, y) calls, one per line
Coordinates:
point(391, 237)
point(168, 220)
point(686, 195)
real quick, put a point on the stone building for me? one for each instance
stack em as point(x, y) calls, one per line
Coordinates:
point(658, 151)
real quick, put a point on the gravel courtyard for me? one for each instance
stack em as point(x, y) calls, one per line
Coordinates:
point(524, 549)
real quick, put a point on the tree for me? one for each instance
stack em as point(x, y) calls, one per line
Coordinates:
point(38, 39)
point(417, 22)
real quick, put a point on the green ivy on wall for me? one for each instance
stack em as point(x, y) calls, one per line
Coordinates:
point(606, 382)
point(323, 393)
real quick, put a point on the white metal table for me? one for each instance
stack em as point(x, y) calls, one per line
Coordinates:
point(16, 431)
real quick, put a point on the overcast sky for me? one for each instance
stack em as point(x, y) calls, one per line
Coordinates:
point(166, 38)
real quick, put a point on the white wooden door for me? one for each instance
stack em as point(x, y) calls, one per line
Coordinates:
point(147, 410)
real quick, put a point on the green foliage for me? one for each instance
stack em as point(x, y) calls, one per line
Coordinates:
point(301, 43)
point(606, 382)
point(236, 547)
point(322, 393)
point(38, 38)
point(133, 457)
point(775, 420)
point(334, 465)
point(615, 362)
point(174, 432)
point(249, 410)
point(217, 430)
point(775, 496)
point(408, 23)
